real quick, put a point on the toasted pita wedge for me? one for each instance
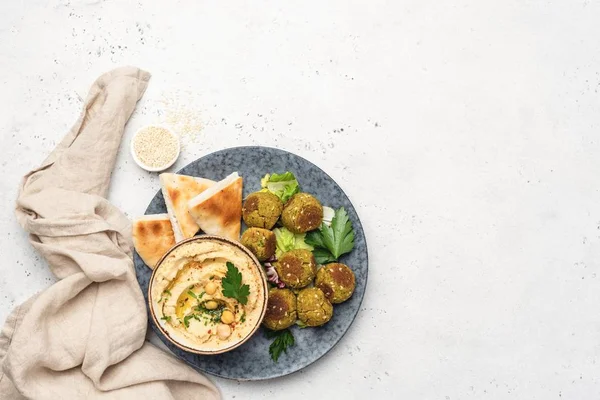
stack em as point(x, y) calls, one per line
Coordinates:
point(152, 237)
point(177, 190)
point(218, 210)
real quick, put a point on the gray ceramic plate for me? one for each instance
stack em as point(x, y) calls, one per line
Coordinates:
point(251, 361)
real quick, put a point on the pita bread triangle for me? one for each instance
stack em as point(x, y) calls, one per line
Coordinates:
point(218, 210)
point(177, 191)
point(152, 237)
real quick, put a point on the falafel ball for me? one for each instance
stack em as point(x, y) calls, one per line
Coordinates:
point(296, 268)
point(281, 309)
point(261, 210)
point(313, 307)
point(260, 241)
point(337, 282)
point(302, 213)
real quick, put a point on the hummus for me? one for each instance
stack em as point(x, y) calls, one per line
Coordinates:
point(188, 301)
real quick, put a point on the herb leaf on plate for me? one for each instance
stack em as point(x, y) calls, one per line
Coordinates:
point(320, 251)
point(315, 239)
point(330, 242)
point(323, 256)
point(232, 285)
point(283, 340)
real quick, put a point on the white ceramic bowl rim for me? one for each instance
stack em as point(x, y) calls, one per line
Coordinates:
point(146, 167)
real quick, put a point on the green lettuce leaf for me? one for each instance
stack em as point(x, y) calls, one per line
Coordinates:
point(287, 240)
point(283, 185)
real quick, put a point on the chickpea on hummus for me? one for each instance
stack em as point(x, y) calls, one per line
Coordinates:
point(208, 295)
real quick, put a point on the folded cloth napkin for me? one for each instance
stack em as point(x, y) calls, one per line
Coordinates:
point(83, 337)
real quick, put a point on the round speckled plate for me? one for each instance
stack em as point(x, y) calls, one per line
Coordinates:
point(251, 361)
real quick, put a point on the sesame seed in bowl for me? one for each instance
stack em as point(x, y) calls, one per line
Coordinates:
point(155, 148)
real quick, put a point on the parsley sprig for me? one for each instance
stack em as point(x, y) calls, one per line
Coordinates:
point(283, 340)
point(330, 242)
point(232, 285)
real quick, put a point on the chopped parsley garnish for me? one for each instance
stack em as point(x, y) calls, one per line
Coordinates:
point(243, 317)
point(212, 316)
point(283, 340)
point(192, 294)
point(232, 284)
point(166, 318)
point(162, 297)
point(186, 320)
point(330, 242)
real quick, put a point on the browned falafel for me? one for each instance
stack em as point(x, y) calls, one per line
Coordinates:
point(281, 309)
point(296, 268)
point(261, 210)
point(302, 213)
point(313, 307)
point(260, 241)
point(337, 282)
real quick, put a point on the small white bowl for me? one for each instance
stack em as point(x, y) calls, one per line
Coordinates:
point(146, 167)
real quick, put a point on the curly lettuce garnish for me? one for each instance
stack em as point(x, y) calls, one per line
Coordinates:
point(287, 240)
point(283, 185)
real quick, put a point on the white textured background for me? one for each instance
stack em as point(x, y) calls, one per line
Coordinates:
point(467, 134)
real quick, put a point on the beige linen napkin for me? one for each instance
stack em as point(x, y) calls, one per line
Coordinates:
point(83, 337)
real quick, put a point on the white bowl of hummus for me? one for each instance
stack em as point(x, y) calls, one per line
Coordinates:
point(208, 295)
